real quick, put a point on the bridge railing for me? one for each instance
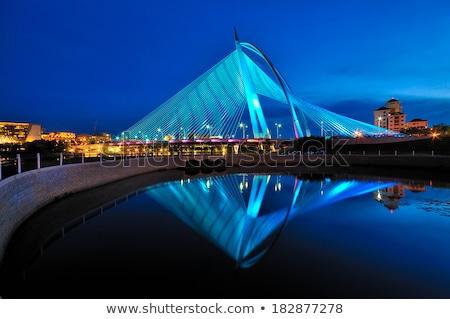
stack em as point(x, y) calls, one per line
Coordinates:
point(11, 165)
point(16, 164)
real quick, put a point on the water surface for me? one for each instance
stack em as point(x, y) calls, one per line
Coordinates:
point(250, 236)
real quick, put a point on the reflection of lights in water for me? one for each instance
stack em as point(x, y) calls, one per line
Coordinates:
point(321, 192)
point(277, 186)
point(181, 182)
point(378, 196)
point(243, 184)
point(208, 183)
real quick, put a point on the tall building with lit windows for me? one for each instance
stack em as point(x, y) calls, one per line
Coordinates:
point(18, 133)
point(390, 116)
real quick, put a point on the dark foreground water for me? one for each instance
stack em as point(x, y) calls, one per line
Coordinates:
point(244, 236)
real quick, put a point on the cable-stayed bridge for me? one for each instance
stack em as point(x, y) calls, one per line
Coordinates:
point(215, 103)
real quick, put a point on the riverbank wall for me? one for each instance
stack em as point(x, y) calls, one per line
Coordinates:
point(23, 194)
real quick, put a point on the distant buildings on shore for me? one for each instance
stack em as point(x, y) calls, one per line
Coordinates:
point(391, 117)
point(417, 123)
point(67, 137)
point(20, 133)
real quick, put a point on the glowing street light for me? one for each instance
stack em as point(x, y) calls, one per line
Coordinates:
point(379, 121)
point(208, 127)
point(184, 136)
point(159, 132)
point(243, 127)
point(123, 144)
point(278, 125)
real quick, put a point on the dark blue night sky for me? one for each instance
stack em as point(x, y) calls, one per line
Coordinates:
point(71, 64)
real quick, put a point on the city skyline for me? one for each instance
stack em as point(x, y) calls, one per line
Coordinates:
point(83, 67)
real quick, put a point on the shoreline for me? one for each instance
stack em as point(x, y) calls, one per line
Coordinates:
point(93, 196)
point(55, 219)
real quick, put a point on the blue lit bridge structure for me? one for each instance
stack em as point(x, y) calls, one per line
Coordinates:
point(228, 210)
point(214, 104)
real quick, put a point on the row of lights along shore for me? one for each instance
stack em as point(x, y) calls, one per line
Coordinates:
point(242, 126)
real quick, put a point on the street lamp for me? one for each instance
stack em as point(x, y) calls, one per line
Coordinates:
point(277, 125)
point(243, 127)
point(159, 131)
point(146, 145)
point(208, 127)
point(123, 145)
point(183, 136)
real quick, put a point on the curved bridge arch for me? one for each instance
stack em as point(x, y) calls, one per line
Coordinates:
point(214, 104)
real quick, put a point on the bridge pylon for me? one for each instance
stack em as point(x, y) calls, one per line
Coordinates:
point(259, 124)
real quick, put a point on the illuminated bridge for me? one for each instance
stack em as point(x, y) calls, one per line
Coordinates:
point(215, 103)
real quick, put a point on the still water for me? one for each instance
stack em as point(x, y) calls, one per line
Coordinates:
point(252, 236)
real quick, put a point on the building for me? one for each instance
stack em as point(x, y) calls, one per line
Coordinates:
point(84, 139)
point(89, 150)
point(102, 137)
point(391, 196)
point(381, 117)
point(19, 133)
point(390, 116)
point(67, 137)
point(418, 123)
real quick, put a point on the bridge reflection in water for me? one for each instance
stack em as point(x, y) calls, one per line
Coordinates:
point(215, 233)
point(228, 210)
